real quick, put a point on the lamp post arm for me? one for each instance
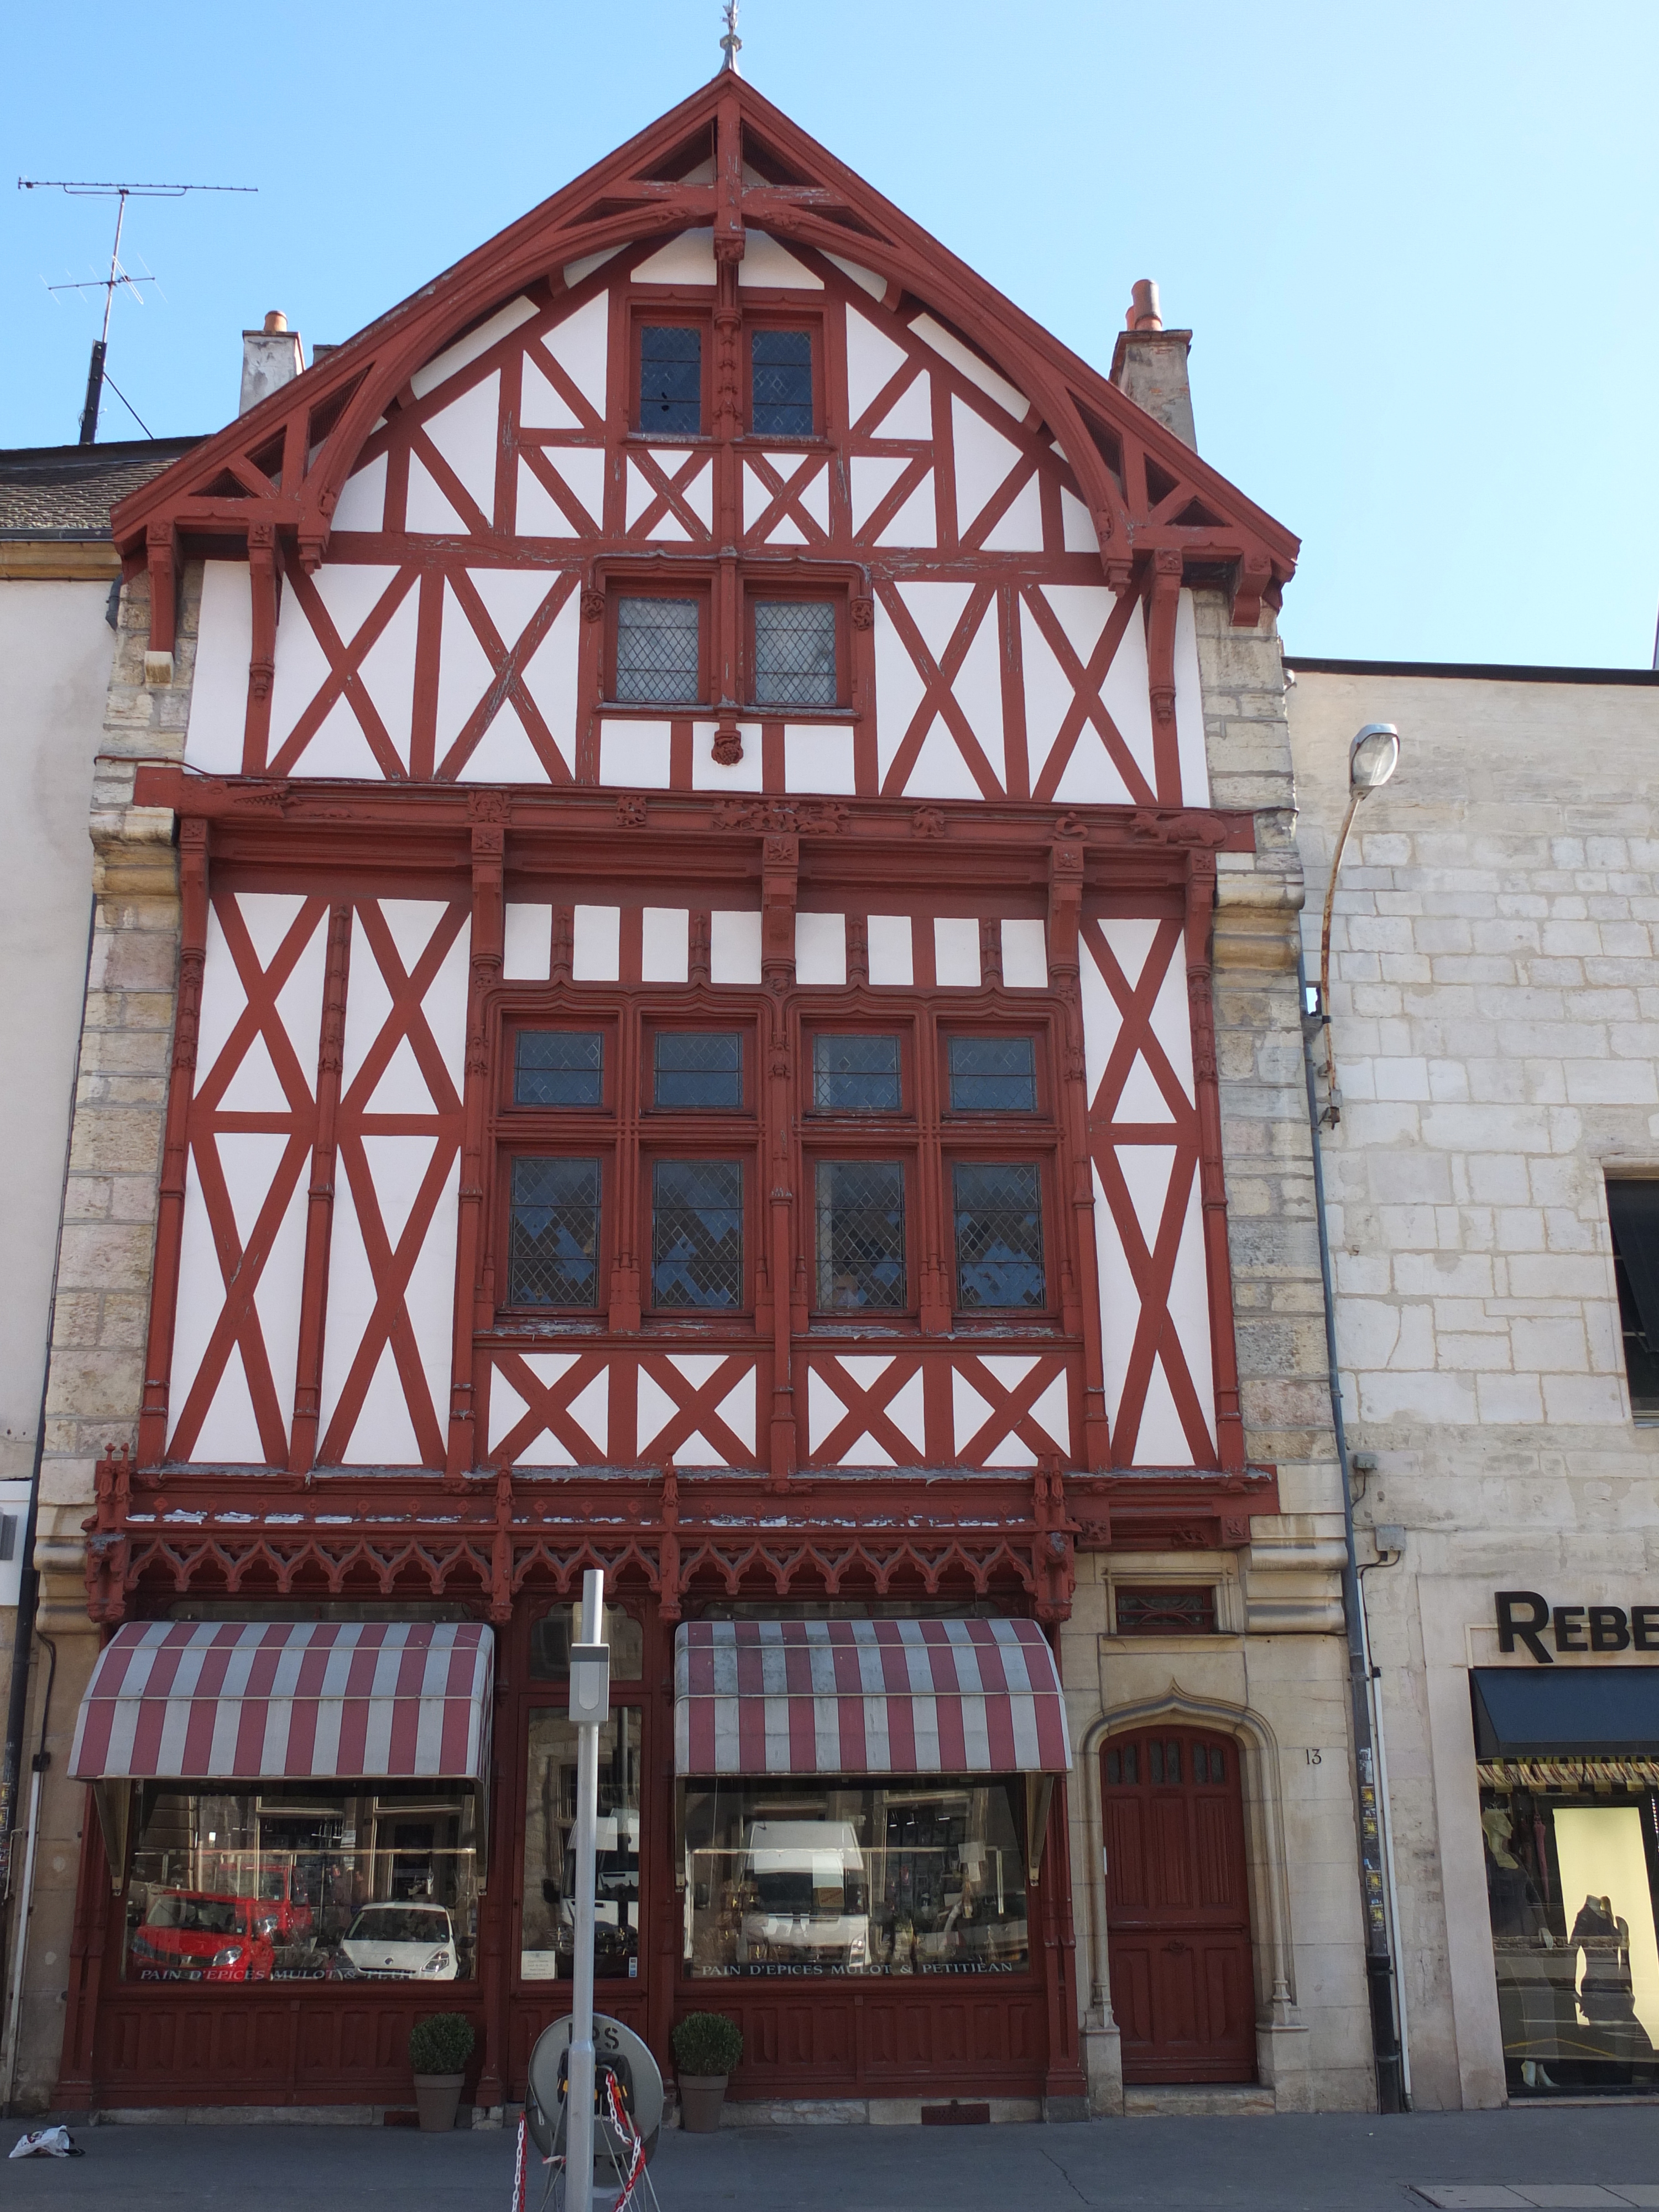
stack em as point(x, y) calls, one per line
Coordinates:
point(1332, 1105)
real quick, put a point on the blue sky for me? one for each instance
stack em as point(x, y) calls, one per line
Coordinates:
point(1416, 245)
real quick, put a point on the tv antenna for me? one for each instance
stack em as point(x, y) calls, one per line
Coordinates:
point(118, 278)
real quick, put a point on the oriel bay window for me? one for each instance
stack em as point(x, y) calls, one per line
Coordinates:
point(860, 1236)
point(553, 1253)
point(558, 1067)
point(998, 1206)
point(855, 1074)
point(696, 1235)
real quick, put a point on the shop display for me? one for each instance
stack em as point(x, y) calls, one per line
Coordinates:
point(548, 1943)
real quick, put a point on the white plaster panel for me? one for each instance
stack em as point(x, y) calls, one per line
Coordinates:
point(821, 948)
point(540, 407)
point(873, 478)
point(665, 943)
point(477, 343)
point(536, 512)
point(550, 676)
point(387, 672)
point(1172, 1020)
point(819, 756)
point(361, 503)
point(1024, 956)
point(968, 364)
point(222, 999)
point(1052, 1412)
point(351, 1303)
point(1020, 529)
point(687, 259)
point(785, 531)
point(936, 609)
point(368, 1003)
point(445, 1003)
point(431, 1296)
point(1049, 693)
point(634, 753)
point(504, 754)
point(939, 770)
point(218, 697)
point(654, 1409)
point(255, 1088)
point(887, 937)
point(1126, 693)
point(507, 1410)
point(873, 361)
point(577, 272)
point(526, 943)
point(1160, 1440)
point(401, 1088)
point(905, 1409)
point(229, 1429)
point(466, 433)
point(736, 1410)
point(978, 691)
point(734, 946)
point(911, 414)
point(915, 523)
point(201, 1290)
point(983, 458)
point(397, 1167)
point(1078, 533)
point(1120, 1301)
point(277, 1298)
point(1100, 1019)
point(1189, 707)
point(823, 1409)
point(580, 344)
point(865, 278)
point(591, 1406)
point(596, 945)
point(955, 950)
point(899, 688)
point(709, 775)
point(766, 262)
point(969, 1410)
point(1189, 1310)
point(427, 509)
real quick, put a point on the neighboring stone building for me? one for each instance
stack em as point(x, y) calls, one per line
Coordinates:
point(1495, 1003)
point(712, 621)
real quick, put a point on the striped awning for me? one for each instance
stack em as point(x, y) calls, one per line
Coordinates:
point(868, 1696)
point(242, 1700)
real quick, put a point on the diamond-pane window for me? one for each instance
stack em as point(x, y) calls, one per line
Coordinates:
point(795, 654)
point(670, 380)
point(696, 1233)
point(993, 1075)
point(698, 1067)
point(780, 384)
point(860, 1243)
point(657, 663)
point(999, 1235)
point(855, 1074)
point(554, 1233)
point(559, 1067)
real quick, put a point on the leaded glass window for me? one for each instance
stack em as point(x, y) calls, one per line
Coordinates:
point(559, 1067)
point(860, 1236)
point(670, 380)
point(855, 1074)
point(999, 1235)
point(698, 1067)
point(657, 663)
point(780, 384)
point(554, 1233)
point(993, 1075)
point(795, 654)
point(697, 1234)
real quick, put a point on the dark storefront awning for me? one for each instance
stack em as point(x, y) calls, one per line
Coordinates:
point(868, 1696)
point(227, 1700)
point(1584, 1712)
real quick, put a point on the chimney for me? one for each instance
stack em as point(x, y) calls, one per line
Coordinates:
point(271, 358)
point(1150, 364)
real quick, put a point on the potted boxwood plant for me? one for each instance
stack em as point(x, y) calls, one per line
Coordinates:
point(439, 2048)
point(706, 2047)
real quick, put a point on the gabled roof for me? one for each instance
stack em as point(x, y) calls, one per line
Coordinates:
point(280, 468)
point(68, 491)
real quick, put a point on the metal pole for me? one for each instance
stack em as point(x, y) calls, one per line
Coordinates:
point(578, 2089)
point(20, 1944)
point(100, 344)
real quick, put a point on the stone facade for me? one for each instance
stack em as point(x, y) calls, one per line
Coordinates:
point(1496, 1009)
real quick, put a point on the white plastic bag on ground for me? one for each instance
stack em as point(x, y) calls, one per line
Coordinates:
point(45, 2142)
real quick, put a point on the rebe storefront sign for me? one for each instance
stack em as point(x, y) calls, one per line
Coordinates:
point(1523, 1617)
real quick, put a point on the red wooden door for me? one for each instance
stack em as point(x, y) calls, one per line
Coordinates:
point(1178, 1916)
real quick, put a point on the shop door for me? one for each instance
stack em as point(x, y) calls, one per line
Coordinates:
point(1178, 1920)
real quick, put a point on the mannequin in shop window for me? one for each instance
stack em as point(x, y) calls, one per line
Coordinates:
point(1534, 1999)
point(1606, 1994)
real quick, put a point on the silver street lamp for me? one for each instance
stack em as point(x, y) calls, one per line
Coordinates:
point(1372, 759)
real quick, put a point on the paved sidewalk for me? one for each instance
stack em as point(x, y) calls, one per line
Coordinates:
point(1326, 2162)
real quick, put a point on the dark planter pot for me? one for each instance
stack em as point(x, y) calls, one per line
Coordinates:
point(437, 2098)
point(701, 2096)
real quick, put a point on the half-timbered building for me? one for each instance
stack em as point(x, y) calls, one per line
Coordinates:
point(721, 806)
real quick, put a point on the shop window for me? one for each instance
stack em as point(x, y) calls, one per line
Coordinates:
point(993, 1075)
point(780, 384)
point(1571, 1884)
point(855, 1074)
point(789, 1876)
point(558, 1067)
point(795, 654)
point(670, 380)
point(697, 1234)
point(551, 1637)
point(860, 1236)
point(1633, 1212)
point(659, 652)
point(303, 1881)
point(554, 1233)
point(1161, 1612)
point(547, 1942)
point(998, 1229)
point(698, 1067)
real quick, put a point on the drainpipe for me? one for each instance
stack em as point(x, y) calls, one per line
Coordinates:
point(1380, 1979)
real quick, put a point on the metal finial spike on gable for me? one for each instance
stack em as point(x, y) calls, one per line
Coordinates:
point(731, 45)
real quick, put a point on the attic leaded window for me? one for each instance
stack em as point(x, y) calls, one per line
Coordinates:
point(670, 380)
point(780, 384)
